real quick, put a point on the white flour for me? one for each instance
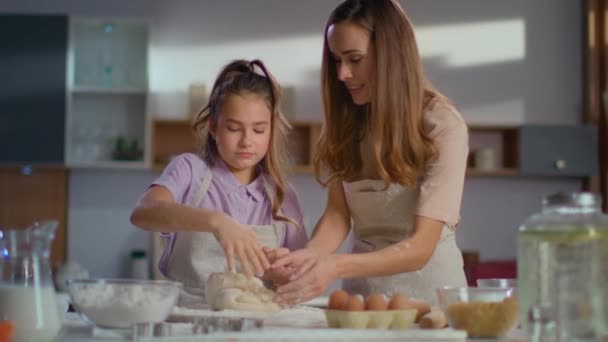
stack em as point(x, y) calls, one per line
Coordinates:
point(296, 317)
point(123, 305)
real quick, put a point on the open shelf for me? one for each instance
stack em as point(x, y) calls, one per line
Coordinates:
point(125, 165)
point(301, 143)
point(107, 90)
point(504, 172)
point(169, 139)
point(107, 122)
point(493, 151)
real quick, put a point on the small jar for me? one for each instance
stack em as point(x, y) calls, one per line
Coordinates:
point(139, 265)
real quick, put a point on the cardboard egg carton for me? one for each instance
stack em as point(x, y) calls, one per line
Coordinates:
point(388, 319)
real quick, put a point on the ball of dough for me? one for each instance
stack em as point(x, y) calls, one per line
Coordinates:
point(236, 291)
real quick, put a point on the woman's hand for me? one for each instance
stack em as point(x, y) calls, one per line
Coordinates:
point(239, 241)
point(312, 275)
point(280, 275)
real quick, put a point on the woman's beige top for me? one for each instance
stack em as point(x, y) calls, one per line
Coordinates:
point(442, 185)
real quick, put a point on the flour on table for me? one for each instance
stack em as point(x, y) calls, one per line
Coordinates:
point(236, 291)
point(295, 317)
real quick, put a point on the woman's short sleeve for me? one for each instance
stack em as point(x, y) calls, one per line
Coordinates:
point(442, 184)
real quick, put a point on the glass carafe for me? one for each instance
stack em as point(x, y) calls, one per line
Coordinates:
point(562, 258)
point(27, 294)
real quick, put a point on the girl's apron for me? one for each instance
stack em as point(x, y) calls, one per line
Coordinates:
point(198, 254)
point(384, 217)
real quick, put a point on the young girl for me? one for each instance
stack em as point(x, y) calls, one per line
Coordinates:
point(395, 151)
point(229, 203)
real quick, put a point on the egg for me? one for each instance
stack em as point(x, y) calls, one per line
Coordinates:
point(422, 307)
point(355, 303)
point(376, 302)
point(338, 300)
point(398, 302)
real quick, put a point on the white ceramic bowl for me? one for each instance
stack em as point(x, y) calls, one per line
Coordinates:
point(122, 303)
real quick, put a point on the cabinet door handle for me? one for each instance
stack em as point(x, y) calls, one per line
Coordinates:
point(560, 164)
point(26, 170)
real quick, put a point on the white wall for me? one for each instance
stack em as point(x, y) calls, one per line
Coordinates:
point(501, 62)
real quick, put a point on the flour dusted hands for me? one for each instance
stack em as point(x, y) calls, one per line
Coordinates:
point(312, 274)
point(239, 241)
point(279, 275)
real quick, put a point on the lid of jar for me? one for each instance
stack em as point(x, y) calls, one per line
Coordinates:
point(580, 199)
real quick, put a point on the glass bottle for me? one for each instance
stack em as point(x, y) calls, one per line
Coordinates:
point(27, 293)
point(562, 268)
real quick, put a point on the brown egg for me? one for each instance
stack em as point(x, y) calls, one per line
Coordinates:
point(338, 300)
point(355, 303)
point(398, 302)
point(376, 302)
point(422, 307)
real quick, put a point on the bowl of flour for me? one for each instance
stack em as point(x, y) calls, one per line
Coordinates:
point(122, 303)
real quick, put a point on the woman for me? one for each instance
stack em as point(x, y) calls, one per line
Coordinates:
point(394, 151)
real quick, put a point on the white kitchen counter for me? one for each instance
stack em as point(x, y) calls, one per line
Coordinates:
point(75, 329)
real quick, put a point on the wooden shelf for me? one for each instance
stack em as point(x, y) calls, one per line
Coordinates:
point(302, 144)
point(507, 172)
point(301, 169)
point(174, 136)
point(170, 137)
point(501, 142)
point(110, 164)
point(109, 90)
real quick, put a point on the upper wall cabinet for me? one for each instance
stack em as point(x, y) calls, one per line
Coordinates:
point(558, 150)
point(533, 150)
point(32, 91)
point(107, 120)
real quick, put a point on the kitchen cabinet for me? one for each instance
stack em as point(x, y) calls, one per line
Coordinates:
point(535, 150)
point(107, 121)
point(32, 91)
point(558, 150)
point(35, 193)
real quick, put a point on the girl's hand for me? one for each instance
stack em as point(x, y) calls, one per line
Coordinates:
point(280, 275)
point(312, 275)
point(275, 254)
point(240, 241)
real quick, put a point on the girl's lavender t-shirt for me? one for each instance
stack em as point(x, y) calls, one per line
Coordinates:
point(248, 204)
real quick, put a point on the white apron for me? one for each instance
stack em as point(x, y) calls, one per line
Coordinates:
point(384, 217)
point(196, 255)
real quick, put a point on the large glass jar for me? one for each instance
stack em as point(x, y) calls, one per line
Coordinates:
point(562, 258)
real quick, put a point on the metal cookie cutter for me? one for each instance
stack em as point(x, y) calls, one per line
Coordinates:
point(209, 325)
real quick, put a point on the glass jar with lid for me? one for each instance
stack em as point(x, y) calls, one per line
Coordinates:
point(562, 258)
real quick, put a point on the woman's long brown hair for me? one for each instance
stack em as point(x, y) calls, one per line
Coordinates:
point(238, 78)
point(399, 93)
